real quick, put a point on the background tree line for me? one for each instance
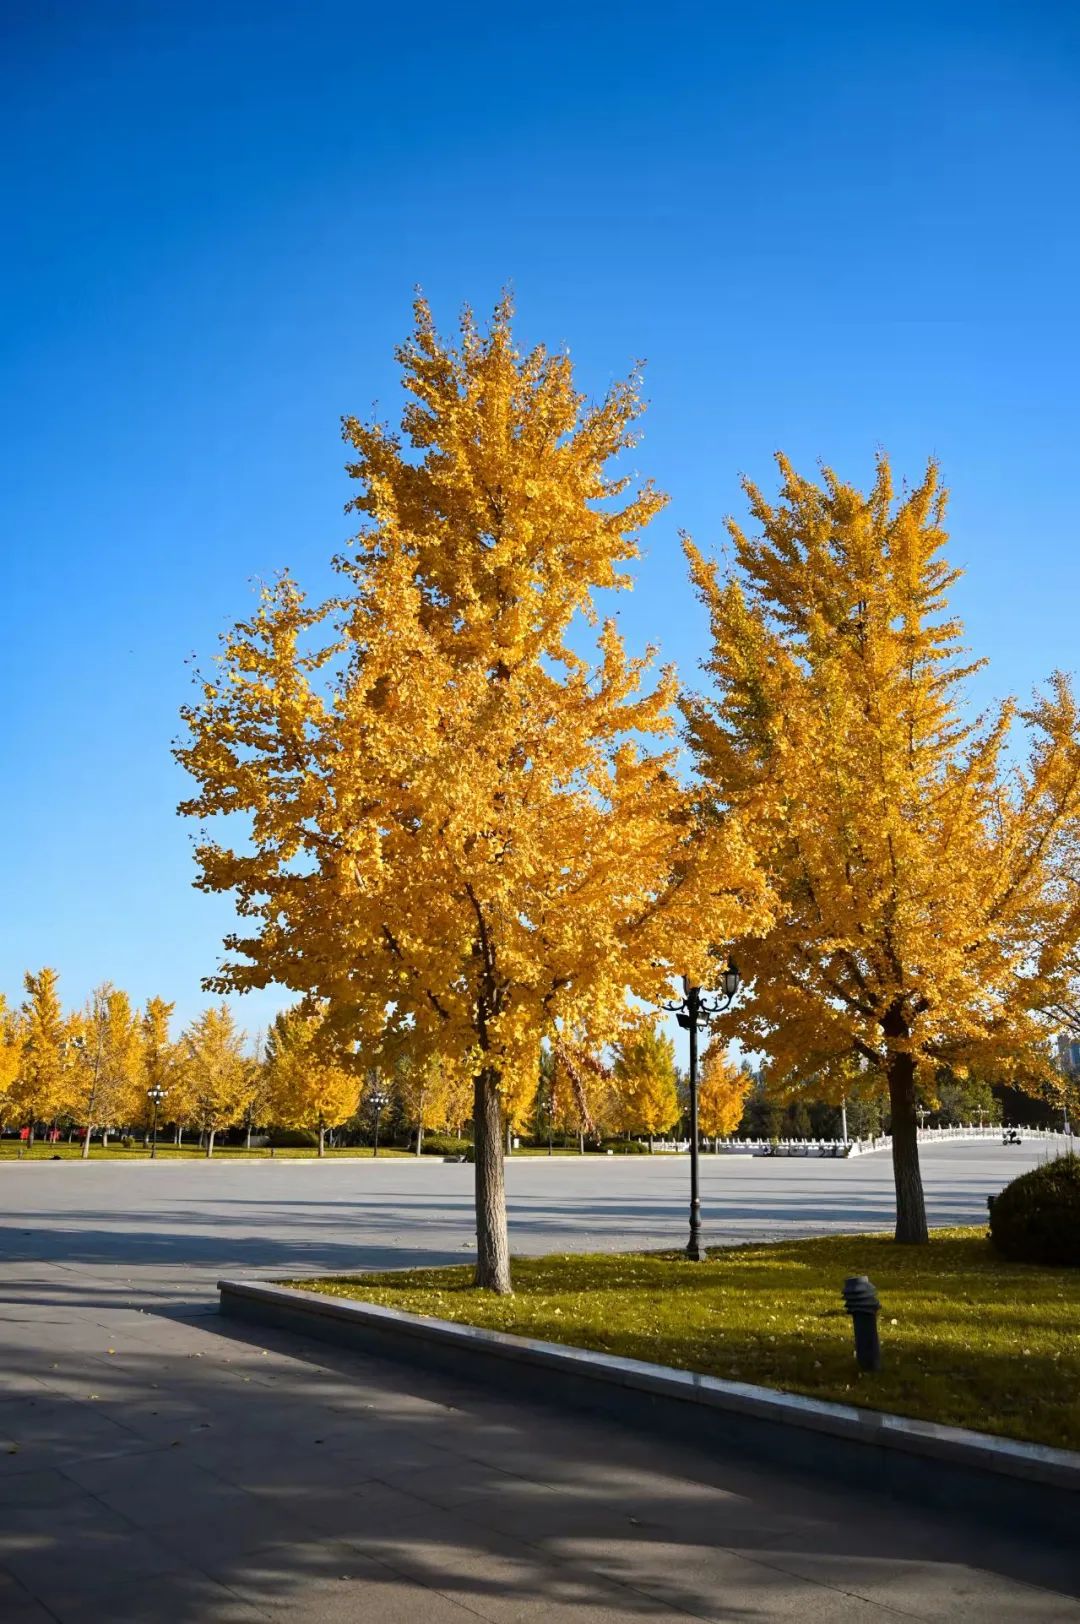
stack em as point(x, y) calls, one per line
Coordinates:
point(89, 1072)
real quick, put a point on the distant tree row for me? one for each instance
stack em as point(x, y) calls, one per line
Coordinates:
point(91, 1071)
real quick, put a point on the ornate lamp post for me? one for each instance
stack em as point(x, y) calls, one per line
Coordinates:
point(155, 1095)
point(378, 1098)
point(694, 1014)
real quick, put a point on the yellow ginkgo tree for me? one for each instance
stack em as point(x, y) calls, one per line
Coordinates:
point(10, 1059)
point(722, 1092)
point(458, 832)
point(646, 1082)
point(925, 880)
point(219, 1075)
point(39, 1089)
point(309, 1084)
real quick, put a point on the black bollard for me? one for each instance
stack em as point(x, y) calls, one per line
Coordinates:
point(861, 1302)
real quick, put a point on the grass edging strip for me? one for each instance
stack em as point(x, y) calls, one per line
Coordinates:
point(1030, 1484)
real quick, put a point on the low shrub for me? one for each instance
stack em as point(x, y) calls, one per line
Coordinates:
point(625, 1147)
point(1036, 1218)
point(292, 1139)
point(444, 1144)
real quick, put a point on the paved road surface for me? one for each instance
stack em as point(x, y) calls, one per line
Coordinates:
point(160, 1466)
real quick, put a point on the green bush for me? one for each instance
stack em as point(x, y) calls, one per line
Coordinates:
point(625, 1147)
point(292, 1139)
point(444, 1144)
point(1036, 1218)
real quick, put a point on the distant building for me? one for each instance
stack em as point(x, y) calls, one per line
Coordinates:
point(1068, 1054)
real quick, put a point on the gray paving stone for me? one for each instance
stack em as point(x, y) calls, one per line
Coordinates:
point(169, 1598)
point(930, 1590)
point(209, 1533)
point(331, 1584)
point(193, 1488)
point(157, 1488)
point(505, 1580)
point(60, 1556)
point(47, 1487)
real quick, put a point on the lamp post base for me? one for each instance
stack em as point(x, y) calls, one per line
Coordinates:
point(695, 1251)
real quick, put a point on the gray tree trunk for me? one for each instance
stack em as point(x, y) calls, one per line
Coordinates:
point(492, 1241)
point(910, 1204)
point(322, 1140)
point(210, 1143)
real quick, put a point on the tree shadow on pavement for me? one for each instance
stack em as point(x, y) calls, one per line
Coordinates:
point(157, 1471)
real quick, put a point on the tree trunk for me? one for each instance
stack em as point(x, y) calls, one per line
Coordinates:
point(581, 1144)
point(322, 1140)
point(492, 1243)
point(509, 1142)
point(179, 1134)
point(210, 1143)
point(85, 1143)
point(420, 1138)
point(650, 1144)
point(247, 1138)
point(910, 1206)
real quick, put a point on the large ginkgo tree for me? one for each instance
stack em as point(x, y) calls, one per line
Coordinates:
point(461, 832)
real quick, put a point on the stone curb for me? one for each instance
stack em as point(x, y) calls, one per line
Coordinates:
point(1020, 1483)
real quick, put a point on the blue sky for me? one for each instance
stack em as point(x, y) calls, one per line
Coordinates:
point(826, 227)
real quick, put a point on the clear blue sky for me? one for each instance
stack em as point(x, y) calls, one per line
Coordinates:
point(827, 227)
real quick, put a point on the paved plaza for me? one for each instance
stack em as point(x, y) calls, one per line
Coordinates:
point(160, 1464)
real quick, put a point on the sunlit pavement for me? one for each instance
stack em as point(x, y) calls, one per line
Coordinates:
point(160, 1464)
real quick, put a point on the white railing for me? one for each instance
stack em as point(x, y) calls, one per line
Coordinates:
point(882, 1141)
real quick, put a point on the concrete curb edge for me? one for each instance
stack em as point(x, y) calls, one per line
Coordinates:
point(666, 1393)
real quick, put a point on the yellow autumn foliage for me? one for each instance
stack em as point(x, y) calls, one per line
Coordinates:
point(925, 882)
point(460, 831)
point(722, 1091)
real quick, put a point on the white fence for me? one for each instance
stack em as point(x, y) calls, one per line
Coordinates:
point(1052, 1137)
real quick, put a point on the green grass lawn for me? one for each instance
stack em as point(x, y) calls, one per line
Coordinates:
point(10, 1152)
point(967, 1338)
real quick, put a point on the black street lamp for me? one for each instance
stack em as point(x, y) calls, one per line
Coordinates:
point(378, 1098)
point(693, 1014)
point(155, 1094)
